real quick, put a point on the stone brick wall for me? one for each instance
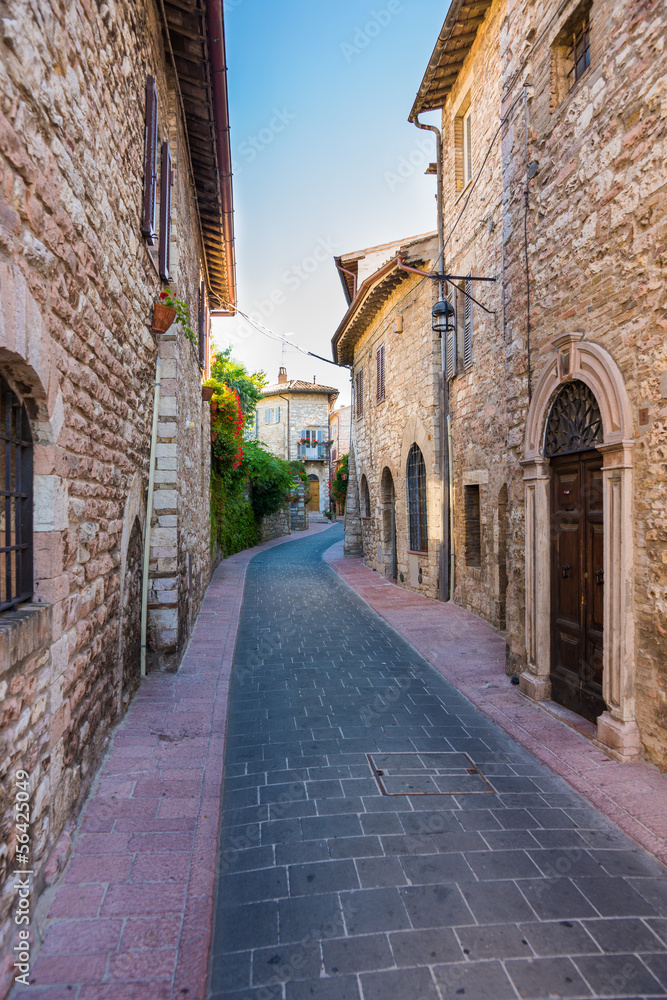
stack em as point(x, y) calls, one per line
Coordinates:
point(299, 509)
point(477, 392)
point(383, 435)
point(596, 223)
point(77, 285)
point(276, 525)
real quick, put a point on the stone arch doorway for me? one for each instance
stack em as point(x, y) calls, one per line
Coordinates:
point(313, 492)
point(573, 432)
point(575, 360)
point(388, 495)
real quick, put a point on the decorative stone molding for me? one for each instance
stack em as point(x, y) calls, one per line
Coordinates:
point(575, 358)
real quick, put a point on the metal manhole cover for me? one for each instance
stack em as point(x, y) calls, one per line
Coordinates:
point(448, 773)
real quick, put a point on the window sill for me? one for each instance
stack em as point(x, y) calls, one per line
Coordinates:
point(417, 552)
point(23, 631)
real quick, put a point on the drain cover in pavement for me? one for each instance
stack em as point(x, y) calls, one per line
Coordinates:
point(428, 774)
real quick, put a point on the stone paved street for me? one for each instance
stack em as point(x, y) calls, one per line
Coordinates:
point(381, 838)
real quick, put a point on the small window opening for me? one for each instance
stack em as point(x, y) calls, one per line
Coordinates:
point(473, 526)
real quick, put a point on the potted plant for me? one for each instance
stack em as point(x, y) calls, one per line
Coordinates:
point(207, 393)
point(167, 310)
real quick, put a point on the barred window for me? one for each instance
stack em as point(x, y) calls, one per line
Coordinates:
point(580, 52)
point(15, 500)
point(359, 393)
point(473, 525)
point(416, 475)
point(570, 53)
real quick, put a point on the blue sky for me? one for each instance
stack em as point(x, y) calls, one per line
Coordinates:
point(325, 161)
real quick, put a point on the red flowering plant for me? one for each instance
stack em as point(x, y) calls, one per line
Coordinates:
point(182, 310)
point(227, 428)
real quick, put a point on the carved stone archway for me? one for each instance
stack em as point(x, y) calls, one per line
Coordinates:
point(574, 358)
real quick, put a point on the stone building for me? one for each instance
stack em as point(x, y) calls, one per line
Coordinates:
point(585, 98)
point(339, 434)
point(292, 420)
point(114, 184)
point(393, 512)
point(553, 181)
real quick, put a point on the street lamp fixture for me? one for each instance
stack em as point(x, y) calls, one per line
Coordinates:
point(443, 317)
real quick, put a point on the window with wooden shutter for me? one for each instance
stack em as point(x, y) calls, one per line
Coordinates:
point(359, 393)
point(202, 325)
point(150, 164)
point(166, 181)
point(467, 325)
point(467, 148)
point(379, 365)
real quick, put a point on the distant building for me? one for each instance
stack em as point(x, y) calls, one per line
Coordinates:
point(393, 513)
point(339, 434)
point(292, 420)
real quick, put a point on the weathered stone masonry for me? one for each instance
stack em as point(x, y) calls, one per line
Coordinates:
point(77, 285)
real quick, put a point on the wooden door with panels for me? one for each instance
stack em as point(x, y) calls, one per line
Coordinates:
point(577, 583)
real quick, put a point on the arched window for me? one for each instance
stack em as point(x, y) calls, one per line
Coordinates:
point(574, 423)
point(365, 498)
point(417, 500)
point(15, 500)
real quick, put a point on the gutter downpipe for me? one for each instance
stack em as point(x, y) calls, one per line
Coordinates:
point(446, 559)
point(149, 515)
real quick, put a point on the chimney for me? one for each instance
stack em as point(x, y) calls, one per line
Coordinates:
point(282, 376)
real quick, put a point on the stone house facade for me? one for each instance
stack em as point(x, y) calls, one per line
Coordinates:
point(292, 420)
point(587, 177)
point(340, 420)
point(553, 181)
point(101, 207)
point(393, 512)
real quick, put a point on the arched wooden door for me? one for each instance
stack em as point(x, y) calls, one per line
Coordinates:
point(577, 533)
point(314, 493)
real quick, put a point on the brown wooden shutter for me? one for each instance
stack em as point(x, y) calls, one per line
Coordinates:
point(379, 366)
point(467, 326)
point(202, 325)
point(166, 182)
point(458, 152)
point(150, 164)
point(359, 393)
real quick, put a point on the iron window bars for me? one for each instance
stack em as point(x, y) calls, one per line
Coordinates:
point(417, 500)
point(16, 583)
point(580, 52)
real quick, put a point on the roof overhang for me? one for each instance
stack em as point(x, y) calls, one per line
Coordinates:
point(196, 39)
point(370, 298)
point(459, 31)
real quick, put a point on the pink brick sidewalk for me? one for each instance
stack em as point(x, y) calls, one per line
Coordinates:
point(471, 654)
point(130, 918)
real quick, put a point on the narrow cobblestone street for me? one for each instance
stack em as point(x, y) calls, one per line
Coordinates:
point(382, 838)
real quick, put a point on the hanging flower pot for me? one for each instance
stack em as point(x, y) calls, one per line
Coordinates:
point(163, 317)
point(206, 394)
point(214, 406)
point(214, 436)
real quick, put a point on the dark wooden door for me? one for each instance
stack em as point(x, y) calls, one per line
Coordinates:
point(577, 583)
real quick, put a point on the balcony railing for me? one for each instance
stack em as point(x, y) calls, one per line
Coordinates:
point(312, 454)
